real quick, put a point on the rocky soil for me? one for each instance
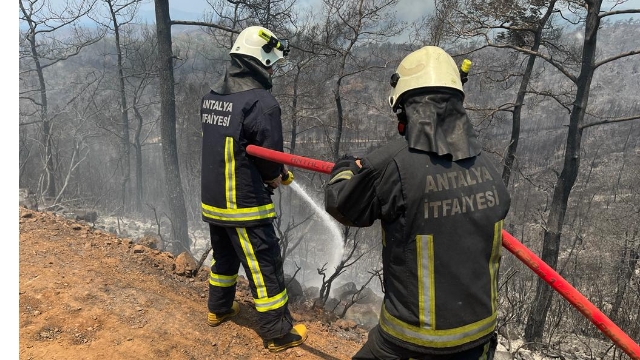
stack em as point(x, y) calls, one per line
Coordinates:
point(87, 294)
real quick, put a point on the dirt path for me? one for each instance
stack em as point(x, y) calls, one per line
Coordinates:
point(86, 294)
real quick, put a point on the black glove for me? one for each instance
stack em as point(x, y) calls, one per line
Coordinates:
point(345, 163)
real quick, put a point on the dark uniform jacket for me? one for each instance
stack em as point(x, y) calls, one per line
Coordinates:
point(233, 190)
point(441, 231)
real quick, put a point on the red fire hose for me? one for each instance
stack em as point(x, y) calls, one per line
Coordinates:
point(544, 271)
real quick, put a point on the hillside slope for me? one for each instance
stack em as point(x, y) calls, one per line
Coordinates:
point(85, 294)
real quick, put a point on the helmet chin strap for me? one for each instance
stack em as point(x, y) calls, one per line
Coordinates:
point(402, 120)
point(402, 128)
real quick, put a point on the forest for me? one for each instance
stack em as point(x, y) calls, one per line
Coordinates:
point(109, 122)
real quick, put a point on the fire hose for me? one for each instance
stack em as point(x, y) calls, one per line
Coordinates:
point(542, 269)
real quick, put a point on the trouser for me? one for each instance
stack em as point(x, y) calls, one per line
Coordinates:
point(378, 347)
point(257, 249)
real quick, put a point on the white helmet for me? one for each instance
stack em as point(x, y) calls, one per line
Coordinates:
point(261, 44)
point(429, 66)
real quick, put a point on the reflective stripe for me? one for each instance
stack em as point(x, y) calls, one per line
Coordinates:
point(230, 173)
point(271, 303)
point(232, 213)
point(242, 214)
point(222, 280)
point(485, 351)
point(252, 261)
point(426, 281)
point(494, 263)
point(346, 175)
point(435, 338)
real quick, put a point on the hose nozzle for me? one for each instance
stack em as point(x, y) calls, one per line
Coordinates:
point(287, 178)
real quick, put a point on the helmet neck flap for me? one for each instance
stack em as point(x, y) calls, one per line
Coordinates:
point(244, 73)
point(437, 122)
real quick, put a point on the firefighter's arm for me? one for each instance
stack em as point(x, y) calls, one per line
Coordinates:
point(263, 127)
point(350, 194)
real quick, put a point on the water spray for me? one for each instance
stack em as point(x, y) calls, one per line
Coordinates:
point(332, 225)
point(542, 269)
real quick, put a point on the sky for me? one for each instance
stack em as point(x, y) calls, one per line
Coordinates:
point(193, 9)
point(407, 10)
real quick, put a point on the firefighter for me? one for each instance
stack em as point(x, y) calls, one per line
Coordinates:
point(236, 188)
point(441, 204)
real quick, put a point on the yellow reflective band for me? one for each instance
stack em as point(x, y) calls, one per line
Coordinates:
point(342, 175)
point(230, 173)
point(435, 338)
point(426, 281)
point(242, 214)
point(272, 303)
point(252, 261)
point(494, 263)
point(222, 280)
point(485, 351)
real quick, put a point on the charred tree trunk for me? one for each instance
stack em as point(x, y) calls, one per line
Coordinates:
point(337, 96)
point(49, 169)
point(340, 122)
point(294, 112)
point(553, 233)
point(124, 114)
point(173, 182)
point(137, 146)
point(510, 156)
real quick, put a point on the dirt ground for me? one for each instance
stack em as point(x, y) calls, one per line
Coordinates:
point(86, 294)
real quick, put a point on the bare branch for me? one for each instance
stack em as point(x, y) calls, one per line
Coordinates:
point(618, 12)
point(610, 121)
point(616, 57)
point(546, 58)
point(553, 96)
point(205, 24)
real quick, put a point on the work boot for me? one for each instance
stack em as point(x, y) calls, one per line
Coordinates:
point(295, 337)
point(217, 319)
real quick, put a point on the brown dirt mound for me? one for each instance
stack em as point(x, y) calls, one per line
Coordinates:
point(86, 294)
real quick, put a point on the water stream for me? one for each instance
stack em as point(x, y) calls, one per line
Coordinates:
point(334, 235)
